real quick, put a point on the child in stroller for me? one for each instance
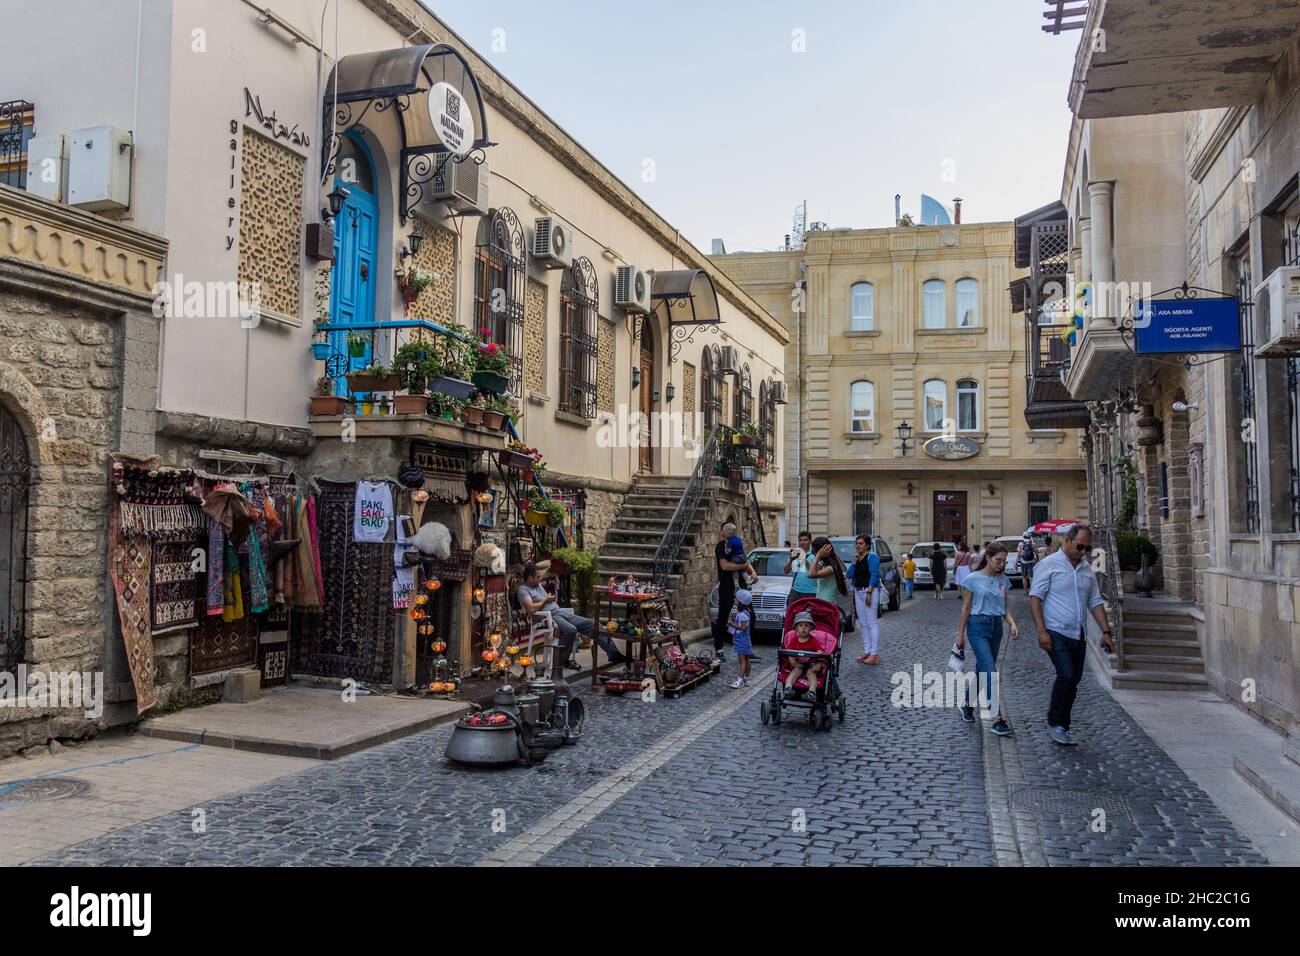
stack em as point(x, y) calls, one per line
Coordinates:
point(808, 665)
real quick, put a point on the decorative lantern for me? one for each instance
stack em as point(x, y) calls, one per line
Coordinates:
point(422, 599)
point(480, 594)
point(495, 639)
point(433, 584)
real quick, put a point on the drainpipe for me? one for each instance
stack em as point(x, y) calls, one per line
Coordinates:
point(801, 497)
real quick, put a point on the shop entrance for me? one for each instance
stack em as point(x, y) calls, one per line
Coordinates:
point(356, 241)
point(950, 516)
point(647, 360)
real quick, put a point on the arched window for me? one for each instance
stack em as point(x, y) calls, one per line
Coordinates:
point(743, 413)
point(711, 385)
point(936, 404)
point(15, 486)
point(579, 321)
point(766, 421)
point(500, 272)
point(862, 406)
point(968, 405)
point(968, 303)
point(862, 314)
point(934, 301)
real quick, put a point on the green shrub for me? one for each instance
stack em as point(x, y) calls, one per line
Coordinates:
point(583, 568)
point(1131, 547)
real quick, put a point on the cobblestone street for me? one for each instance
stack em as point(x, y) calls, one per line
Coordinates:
point(699, 780)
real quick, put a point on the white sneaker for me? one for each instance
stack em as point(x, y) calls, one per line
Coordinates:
point(738, 683)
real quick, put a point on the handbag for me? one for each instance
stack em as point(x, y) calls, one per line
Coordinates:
point(957, 659)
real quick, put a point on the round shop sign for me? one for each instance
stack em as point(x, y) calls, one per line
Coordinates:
point(452, 118)
point(952, 449)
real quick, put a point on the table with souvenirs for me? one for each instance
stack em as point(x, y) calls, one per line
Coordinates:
point(641, 613)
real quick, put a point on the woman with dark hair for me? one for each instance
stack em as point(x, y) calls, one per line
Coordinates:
point(828, 571)
point(866, 591)
point(938, 570)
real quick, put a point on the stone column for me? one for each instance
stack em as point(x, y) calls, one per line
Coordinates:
point(1103, 245)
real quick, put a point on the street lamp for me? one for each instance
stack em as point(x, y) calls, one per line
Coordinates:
point(671, 392)
point(904, 433)
point(336, 200)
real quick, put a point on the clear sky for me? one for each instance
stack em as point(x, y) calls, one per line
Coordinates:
point(947, 97)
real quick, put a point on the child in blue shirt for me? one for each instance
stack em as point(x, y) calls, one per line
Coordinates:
point(738, 628)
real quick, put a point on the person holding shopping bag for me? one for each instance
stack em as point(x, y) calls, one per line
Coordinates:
point(983, 611)
point(866, 597)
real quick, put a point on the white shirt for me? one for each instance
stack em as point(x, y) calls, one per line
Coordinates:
point(1068, 592)
point(374, 511)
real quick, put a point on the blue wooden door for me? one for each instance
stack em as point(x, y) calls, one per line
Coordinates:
point(352, 285)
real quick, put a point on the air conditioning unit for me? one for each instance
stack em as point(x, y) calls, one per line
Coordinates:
point(632, 290)
point(729, 365)
point(552, 244)
point(99, 168)
point(780, 393)
point(47, 167)
point(1277, 308)
point(462, 186)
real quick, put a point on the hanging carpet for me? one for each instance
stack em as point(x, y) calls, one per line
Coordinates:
point(217, 645)
point(174, 585)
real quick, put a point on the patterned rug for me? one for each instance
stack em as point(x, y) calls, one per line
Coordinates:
point(129, 568)
point(354, 636)
point(218, 645)
point(174, 585)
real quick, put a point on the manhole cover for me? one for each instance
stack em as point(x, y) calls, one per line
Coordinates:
point(38, 791)
point(1068, 803)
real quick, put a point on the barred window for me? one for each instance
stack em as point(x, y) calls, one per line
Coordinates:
point(17, 122)
point(1040, 507)
point(766, 421)
point(15, 487)
point(500, 274)
point(744, 403)
point(711, 386)
point(864, 512)
point(579, 328)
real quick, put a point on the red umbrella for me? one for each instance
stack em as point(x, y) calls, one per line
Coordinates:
point(1053, 527)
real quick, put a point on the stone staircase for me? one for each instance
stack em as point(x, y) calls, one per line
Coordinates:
point(642, 521)
point(1161, 648)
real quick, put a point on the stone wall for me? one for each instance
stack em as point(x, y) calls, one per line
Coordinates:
point(604, 498)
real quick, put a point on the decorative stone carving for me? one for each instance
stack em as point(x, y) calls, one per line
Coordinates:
point(270, 222)
point(535, 336)
point(605, 367)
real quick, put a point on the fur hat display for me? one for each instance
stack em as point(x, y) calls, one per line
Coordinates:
point(433, 540)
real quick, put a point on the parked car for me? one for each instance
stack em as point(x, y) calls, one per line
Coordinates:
point(921, 555)
point(770, 592)
point(1012, 543)
point(890, 574)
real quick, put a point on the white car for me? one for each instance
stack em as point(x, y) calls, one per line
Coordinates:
point(921, 555)
point(1012, 543)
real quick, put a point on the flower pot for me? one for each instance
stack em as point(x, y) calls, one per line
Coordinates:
point(749, 473)
point(367, 408)
point(357, 348)
point(456, 388)
point(410, 404)
point(448, 415)
point(538, 519)
point(492, 382)
point(473, 415)
point(558, 567)
point(320, 351)
point(734, 474)
point(516, 460)
point(327, 405)
point(360, 382)
point(493, 419)
point(526, 476)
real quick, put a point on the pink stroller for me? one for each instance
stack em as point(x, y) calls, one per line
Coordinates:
point(824, 699)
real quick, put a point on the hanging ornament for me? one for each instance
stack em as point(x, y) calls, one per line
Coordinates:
point(495, 639)
point(433, 584)
point(439, 646)
point(480, 593)
point(422, 599)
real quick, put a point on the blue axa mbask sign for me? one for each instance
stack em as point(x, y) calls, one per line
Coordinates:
point(1189, 325)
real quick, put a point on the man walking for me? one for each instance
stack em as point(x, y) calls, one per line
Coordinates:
point(800, 559)
point(1064, 592)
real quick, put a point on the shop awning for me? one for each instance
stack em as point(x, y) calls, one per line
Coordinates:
point(687, 297)
point(435, 102)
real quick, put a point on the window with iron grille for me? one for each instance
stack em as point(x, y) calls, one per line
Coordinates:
point(15, 488)
point(744, 403)
point(864, 512)
point(17, 122)
point(579, 327)
point(1040, 507)
point(500, 277)
point(711, 386)
point(1291, 257)
point(766, 421)
point(1246, 422)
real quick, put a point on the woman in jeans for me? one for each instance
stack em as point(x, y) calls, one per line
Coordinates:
point(983, 609)
point(866, 595)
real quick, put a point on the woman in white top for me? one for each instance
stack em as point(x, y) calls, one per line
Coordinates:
point(961, 564)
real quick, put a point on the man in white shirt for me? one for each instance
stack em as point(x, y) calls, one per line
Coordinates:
point(1063, 594)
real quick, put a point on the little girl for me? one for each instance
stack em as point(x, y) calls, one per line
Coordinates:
point(738, 628)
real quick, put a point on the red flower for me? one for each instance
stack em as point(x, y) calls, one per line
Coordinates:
point(492, 348)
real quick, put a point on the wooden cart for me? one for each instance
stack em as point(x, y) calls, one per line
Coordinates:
point(643, 610)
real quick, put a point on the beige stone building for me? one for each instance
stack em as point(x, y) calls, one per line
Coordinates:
point(1184, 169)
point(910, 329)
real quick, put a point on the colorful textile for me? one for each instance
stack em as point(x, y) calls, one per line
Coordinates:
point(216, 568)
point(307, 591)
point(174, 588)
point(155, 502)
point(373, 511)
point(129, 564)
point(232, 586)
point(217, 645)
point(313, 530)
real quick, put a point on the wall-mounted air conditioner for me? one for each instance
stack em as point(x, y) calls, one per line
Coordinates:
point(1277, 311)
point(552, 244)
point(729, 365)
point(99, 168)
point(462, 186)
point(632, 290)
point(47, 167)
point(780, 393)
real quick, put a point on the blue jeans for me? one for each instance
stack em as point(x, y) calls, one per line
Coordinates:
point(908, 584)
point(984, 632)
point(1067, 657)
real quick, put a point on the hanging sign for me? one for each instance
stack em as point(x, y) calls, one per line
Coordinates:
point(951, 449)
point(452, 121)
point(1188, 325)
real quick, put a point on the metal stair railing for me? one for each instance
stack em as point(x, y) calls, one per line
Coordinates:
point(757, 517)
point(561, 539)
point(671, 543)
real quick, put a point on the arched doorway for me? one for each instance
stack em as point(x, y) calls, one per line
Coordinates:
point(15, 490)
point(646, 358)
point(356, 243)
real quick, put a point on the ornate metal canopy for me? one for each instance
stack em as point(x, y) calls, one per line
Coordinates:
point(400, 81)
point(689, 301)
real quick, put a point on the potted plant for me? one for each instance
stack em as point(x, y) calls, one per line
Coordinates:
point(325, 402)
point(414, 281)
point(375, 378)
point(545, 512)
point(365, 404)
point(451, 368)
point(320, 346)
point(384, 407)
point(491, 372)
point(445, 407)
point(747, 436)
point(474, 411)
point(494, 414)
point(582, 568)
point(358, 344)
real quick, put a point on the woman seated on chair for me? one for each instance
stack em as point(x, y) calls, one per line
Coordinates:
point(534, 599)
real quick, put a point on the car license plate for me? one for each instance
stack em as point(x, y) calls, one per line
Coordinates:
point(771, 618)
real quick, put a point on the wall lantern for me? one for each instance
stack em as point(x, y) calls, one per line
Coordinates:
point(904, 433)
point(336, 200)
point(654, 398)
point(670, 392)
point(909, 489)
point(991, 488)
point(414, 241)
point(636, 378)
